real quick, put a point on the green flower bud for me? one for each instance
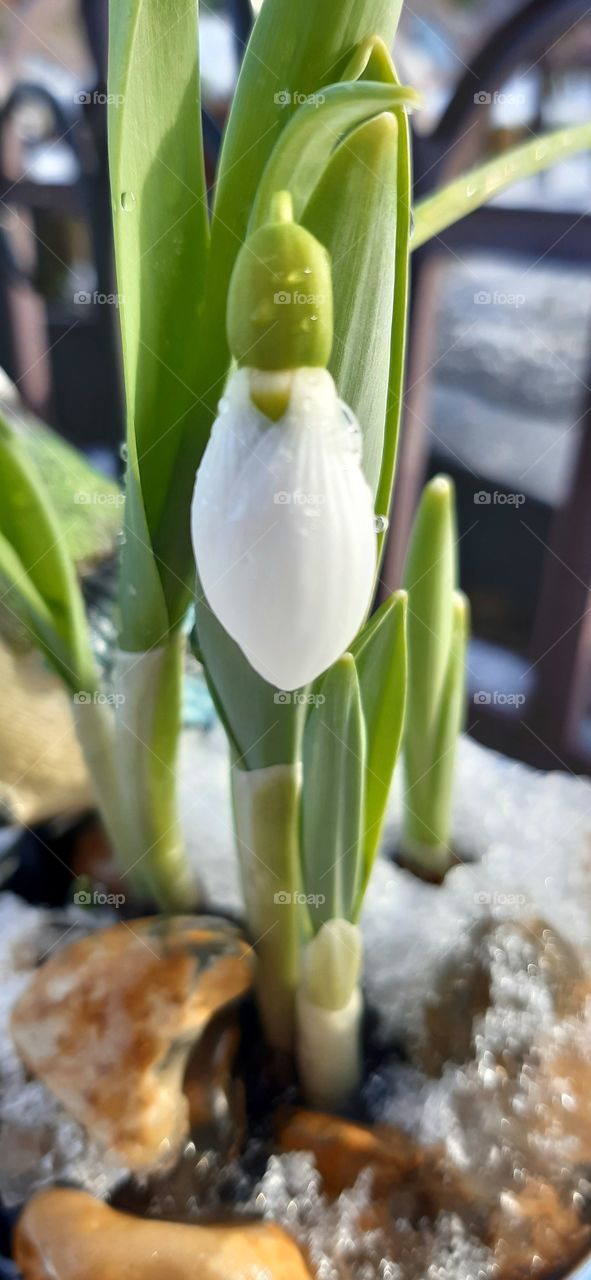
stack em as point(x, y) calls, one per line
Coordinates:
point(280, 297)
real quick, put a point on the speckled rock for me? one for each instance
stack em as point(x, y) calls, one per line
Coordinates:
point(108, 1024)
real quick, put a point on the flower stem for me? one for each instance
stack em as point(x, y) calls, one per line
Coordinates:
point(266, 803)
point(148, 689)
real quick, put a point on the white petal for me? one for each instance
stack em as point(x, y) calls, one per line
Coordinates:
point(283, 529)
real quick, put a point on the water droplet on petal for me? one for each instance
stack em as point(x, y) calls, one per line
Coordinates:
point(380, 523)
point(123, 452)
point(127, 201)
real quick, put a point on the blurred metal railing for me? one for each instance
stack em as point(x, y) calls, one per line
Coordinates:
point(548, 731)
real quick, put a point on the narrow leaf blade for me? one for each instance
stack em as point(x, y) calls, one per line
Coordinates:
point(430, 578)
point(380, 659)
point(36, 563)
point(333, 795)
point(462, 196)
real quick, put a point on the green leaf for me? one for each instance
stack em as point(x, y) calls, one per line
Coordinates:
point(399, 318)
point(353, 214)
point(429, 789)
point(39, 579)
point(333, 795)
point(380, 659)
point(161, 241)
point(459, 198)
point(87, 504)
point(307, 144)
point(295, 50)
point(451, 719)
point(263, 723)
point(430, 579)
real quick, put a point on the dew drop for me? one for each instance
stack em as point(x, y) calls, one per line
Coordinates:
point(380, 523)
point(127, 201)
point(123, 452)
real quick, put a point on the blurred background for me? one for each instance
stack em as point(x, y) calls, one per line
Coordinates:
point(498, 390)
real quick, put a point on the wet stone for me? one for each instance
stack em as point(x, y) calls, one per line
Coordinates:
point(67, 1235)
point(540, 958)
point(108, 1024)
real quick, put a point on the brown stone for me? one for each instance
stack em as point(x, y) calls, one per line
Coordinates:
point(342, 1150)
point(67, 1235)
point(108, 1024)
point(533, 1232)
point(463, 990)
point(217, 1109)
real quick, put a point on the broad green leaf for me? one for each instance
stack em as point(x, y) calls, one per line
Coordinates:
point(161, 240)
point(430, 579)
point(296, 48)
point(39, 579)
point(263, 723)
point(380, 659)
point(333, 795)
point(307, 144)
point(353, 214)
point(87, 504)
point(437, 212)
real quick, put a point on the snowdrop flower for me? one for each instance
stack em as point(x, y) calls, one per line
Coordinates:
point(283, 525)
point(282, 517)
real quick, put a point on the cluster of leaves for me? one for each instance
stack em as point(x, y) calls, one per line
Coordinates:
point(344, 155)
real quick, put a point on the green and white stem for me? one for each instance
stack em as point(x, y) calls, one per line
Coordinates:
point(329, 1015)
point(147, 693)
point(129, 740)
point(266, 807)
